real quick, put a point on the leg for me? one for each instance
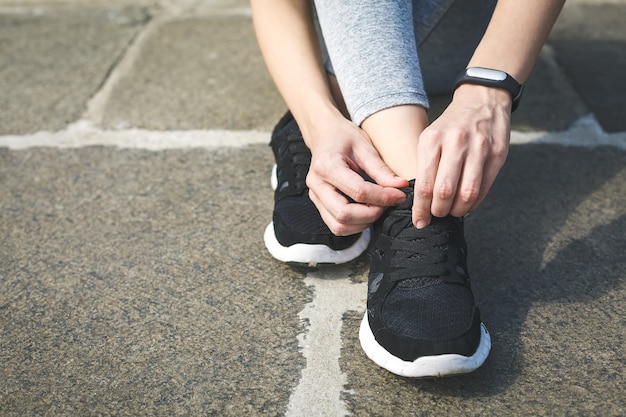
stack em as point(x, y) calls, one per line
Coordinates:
point(373, 50)
point(396, 116)
point(366, 41)
point(421, 318)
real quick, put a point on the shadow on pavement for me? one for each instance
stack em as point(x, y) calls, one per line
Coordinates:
point(556, 319)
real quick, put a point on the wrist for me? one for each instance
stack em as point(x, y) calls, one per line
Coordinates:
point(491, 96)
point(315, 119)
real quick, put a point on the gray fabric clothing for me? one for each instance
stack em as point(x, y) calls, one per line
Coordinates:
point(373, 48)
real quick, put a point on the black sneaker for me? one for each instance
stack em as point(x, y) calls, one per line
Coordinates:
point(297, 233)
point(421, 319)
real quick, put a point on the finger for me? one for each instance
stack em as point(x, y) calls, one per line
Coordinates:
point(471, 181)
point(343, 218)
point(490, 172)
point(469, 188)
point(346, 180)
point(341, 210)
point(446, 182)
point(428, 153)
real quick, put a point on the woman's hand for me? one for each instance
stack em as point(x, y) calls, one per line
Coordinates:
point(461, 153)
point(341, 153)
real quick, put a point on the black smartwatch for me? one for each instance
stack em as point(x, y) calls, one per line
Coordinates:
point(492, 78)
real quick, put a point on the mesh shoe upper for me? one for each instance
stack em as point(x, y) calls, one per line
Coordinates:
point(295, 217)
point(419, 300)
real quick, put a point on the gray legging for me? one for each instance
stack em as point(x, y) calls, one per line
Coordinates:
point(375, 48)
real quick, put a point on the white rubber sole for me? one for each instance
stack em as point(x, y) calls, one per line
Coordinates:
point(426, 366)
point(274, 178)
point(313, 254)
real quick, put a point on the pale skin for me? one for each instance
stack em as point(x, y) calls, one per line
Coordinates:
point(454, 160)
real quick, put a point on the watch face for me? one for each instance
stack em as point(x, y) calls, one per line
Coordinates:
point(487, 74)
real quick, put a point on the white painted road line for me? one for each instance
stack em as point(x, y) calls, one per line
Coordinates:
point(83, 134)
point(322, 382)
point(586, 132)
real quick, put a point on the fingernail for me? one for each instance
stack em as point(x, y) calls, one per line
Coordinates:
point(421, 224)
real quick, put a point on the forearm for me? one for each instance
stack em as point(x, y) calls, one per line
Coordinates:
point(290, 48)
point(474, 131)
point(515, 36)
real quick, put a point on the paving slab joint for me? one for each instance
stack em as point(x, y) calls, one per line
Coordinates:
point(122, 67)
point(165, 12)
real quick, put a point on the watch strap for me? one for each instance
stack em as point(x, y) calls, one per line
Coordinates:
point(492, 78)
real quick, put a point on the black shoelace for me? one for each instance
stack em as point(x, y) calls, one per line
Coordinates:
point(419, 253)
point(296, 160)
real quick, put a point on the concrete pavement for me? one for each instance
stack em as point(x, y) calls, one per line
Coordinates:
point(134, 190)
